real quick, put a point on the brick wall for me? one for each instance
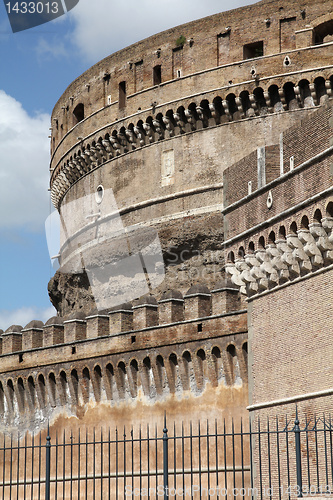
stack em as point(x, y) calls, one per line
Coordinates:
point(288, 190)
point(291, 340)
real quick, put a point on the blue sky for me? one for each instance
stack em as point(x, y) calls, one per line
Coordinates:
point(36, 66)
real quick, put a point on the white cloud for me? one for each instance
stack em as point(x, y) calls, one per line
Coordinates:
point(102, 27)
point(54, 49)
point(24, 315)
point(24, 160)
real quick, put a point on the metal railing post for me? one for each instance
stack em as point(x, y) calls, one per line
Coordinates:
point(298, 456)
point(48, 464)
point(165, 461)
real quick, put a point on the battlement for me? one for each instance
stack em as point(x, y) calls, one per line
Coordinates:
point(176, 345)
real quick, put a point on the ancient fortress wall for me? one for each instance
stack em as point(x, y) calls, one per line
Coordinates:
point(159, 122)
point(190, 129)
point(129, 364)
point(279, 251)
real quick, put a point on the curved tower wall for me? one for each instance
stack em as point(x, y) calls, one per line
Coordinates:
point(159, 122)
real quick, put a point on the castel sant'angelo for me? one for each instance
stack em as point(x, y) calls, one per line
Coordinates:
point(208, 149)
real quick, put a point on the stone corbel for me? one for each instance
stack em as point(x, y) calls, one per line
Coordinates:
point(235, 276)
point(310, 247)
point(246, 275)
point(215, 114)
point(158, 129)
point(239, 106)
point(190, 119)
point(148, 131)
point(116, 145)
point(276, 261)
point(287, 258)
point(322, 241)
point(225, 105)
point(283, 99)
point(267, 268)
point(168, 125)
point(139, 135)
point(298, 252)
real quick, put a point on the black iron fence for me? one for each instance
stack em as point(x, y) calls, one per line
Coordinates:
point(282, 460)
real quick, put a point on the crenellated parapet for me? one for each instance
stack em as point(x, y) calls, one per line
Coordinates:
point(147, 351)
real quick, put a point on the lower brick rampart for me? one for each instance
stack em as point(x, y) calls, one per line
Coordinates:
point(149, 355)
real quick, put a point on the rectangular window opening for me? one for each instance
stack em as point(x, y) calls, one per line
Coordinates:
point(253, 50)
point(157, 75)
point(122, 95)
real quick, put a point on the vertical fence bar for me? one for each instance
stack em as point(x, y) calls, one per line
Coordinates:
point(165, 461)
point(117, 463)
point(191, 453)
point(216, 456)
point(48, 464)
point(18, 468)
point(79, 467)
point(94, 465)
point(242, 453)
point(183, 460)
point(4, 466)
point(140, 461)
point(64, 464)
point(174, 456)
point(25, 467)
point(32, 465)
point(148, 458)
point(260, 464)
point(287, 454)
point(199, 437)
point(269, 458)
point(11, 467)
point(132, 452)
point(125, 472)
point(278, 456)
point(233, 456)
point(316, 441)
point(71, 468)
point(331, 446)
point(39, 465)
point(251, 459)
point(102, 465)
point(56, 471)
point(208, 478)
point(86, 482)
point(225, 457)
point(325, 444)
point(307, 452)
point(156, 462)
point(109, 478)
point(298, 456)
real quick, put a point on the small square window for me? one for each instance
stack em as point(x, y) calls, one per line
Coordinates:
point(253, 50)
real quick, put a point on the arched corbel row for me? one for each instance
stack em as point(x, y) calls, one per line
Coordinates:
point(197, 115)
point(117, 379)
point(288, 251)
